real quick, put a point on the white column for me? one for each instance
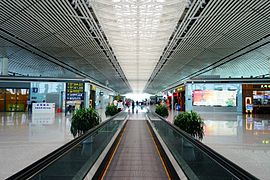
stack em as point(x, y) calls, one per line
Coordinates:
point(4, 66)
point(269, 66)
point(87, 95)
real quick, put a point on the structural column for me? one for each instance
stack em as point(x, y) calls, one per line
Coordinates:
point(269, 66)
point(4, 66)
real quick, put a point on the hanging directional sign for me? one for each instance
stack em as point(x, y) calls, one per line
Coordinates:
point(74, 91)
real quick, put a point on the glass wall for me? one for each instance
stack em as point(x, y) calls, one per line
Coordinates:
point(51, 92)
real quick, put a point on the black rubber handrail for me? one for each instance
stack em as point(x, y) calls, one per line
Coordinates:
point(44, 162)
point(221, 160)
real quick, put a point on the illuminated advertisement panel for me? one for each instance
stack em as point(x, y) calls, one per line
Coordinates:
point(214, 98)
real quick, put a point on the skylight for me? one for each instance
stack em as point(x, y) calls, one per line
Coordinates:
point(138, 31)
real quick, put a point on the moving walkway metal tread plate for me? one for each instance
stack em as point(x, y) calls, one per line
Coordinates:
point(136, 156)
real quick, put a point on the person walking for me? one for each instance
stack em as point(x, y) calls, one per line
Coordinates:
point(120, 106)
point(133, 106)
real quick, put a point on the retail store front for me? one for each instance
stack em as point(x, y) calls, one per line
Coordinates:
point(256, 98)
point(13, 99)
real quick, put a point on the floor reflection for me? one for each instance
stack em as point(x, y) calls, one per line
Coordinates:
point(25, 138)
point(239, 128)
point(244, 139)
point(234, 127)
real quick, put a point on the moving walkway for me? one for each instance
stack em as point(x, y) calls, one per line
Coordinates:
point(134, 146)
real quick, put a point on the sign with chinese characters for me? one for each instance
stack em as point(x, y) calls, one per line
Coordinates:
point(43, 108)
point(180, 88)
point(74, 91)
point(265, 86)
point(261, 86)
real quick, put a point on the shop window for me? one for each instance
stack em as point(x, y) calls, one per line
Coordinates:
point(261, 97)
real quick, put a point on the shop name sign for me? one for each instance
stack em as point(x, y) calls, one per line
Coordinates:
point(261, 86)
point(180, 88)
point(265, 86)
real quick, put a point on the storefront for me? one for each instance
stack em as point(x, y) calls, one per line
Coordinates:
point(256, 98)
point(13, 100)
point(179, 98)
point(92, 99)
point(14, 97)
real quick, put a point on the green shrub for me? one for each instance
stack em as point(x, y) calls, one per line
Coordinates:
point(118, 97)
point(83, 120)
point(162, 110)
point(190, 122)
point(111, 110)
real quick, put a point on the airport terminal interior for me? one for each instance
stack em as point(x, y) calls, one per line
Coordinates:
point(111, 89)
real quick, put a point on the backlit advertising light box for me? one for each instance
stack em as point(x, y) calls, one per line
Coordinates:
point(214, 98)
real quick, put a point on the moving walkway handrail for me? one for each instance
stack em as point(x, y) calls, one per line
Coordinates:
point(223, 161)
point(44, 162)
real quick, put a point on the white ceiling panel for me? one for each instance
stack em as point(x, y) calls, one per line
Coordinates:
point(211, 34)
point(138, 32)
point(61, 36)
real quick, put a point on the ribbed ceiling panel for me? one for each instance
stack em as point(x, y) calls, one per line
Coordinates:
point(57, 30)
point(208, 34)
point(138, 31)
point(255, 63)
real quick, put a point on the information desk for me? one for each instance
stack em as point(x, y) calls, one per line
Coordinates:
point(48, 108)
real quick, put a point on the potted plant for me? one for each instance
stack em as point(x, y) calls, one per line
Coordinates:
point(118, 97)
point(83, 120)
point(190, 122)
point(111, 110)
point(162, 110)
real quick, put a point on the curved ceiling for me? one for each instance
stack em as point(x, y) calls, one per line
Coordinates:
point(210, 32)
point(135, 44)
point(255, 63)
point(58, 33)
point(138, 31)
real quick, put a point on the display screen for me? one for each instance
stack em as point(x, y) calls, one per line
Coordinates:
point(214, 98)
point(261, 97)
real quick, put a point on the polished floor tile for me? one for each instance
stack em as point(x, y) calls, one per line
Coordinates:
point(243, 139)
point(25, 138)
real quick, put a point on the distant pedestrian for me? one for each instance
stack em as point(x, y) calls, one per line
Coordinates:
point(120, 105)
point(115, 102)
